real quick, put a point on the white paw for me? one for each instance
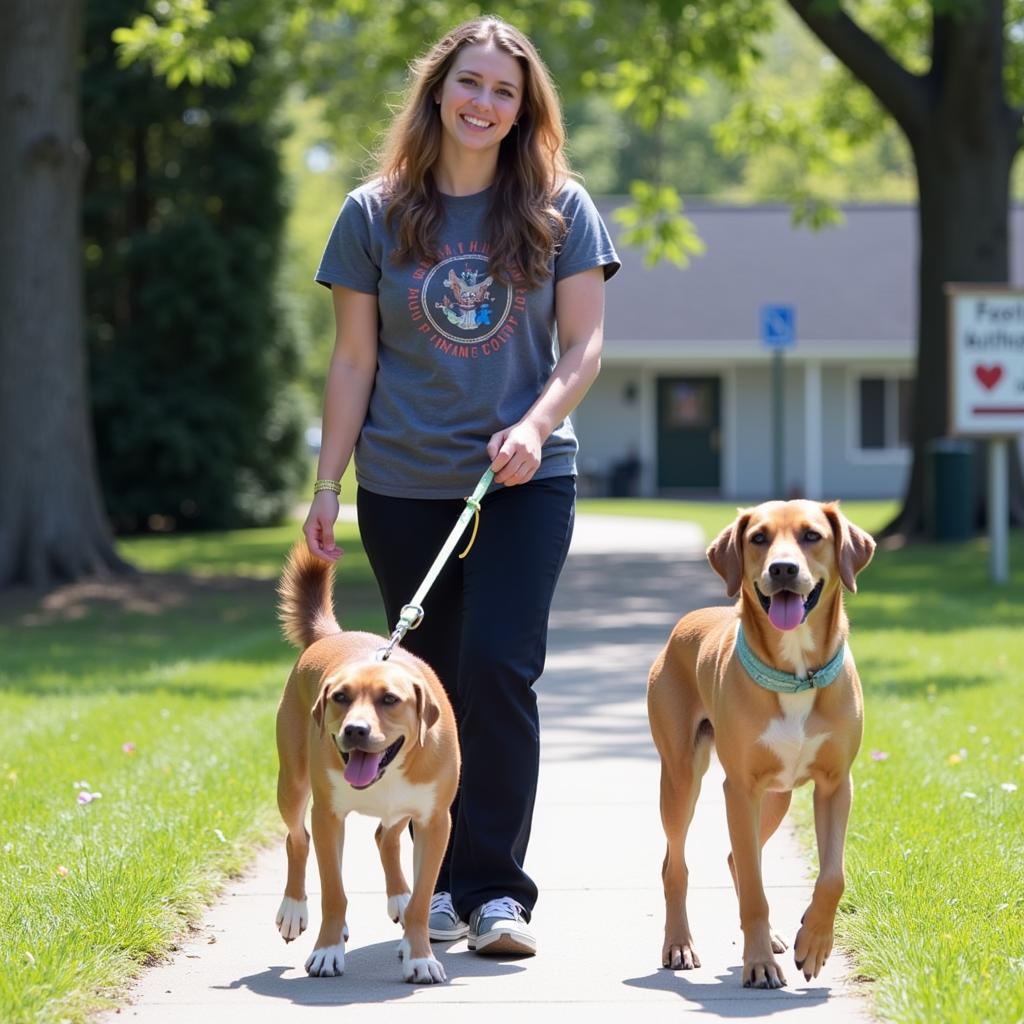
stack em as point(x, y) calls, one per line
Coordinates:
point(328, 962)
point(397, 905)
point(424, 971)
point(292, 918)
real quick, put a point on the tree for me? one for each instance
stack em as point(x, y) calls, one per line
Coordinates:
point(192, 357)
point(946, 71)
point(962, 118)
point(52, 524)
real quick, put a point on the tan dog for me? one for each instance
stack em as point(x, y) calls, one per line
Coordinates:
point(788, 561)
point(375, 737)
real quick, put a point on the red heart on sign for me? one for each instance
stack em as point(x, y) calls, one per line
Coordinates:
point(988, 375)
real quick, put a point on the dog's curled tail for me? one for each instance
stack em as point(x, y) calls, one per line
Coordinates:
point(305, 598)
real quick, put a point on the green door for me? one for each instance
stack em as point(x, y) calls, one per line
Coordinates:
point(689, 433)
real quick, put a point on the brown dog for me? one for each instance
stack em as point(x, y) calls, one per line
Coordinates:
point(371, 736)
point(788, 561)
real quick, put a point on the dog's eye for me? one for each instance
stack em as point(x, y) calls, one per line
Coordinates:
point(812, 536)
point(340, 697)
point(389, 698)
point(759, 538)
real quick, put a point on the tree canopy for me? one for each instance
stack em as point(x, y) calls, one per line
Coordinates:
point(948, 74)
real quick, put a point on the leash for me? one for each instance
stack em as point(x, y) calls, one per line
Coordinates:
point(411, 614)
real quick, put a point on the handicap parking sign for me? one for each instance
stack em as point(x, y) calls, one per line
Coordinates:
point(778, 326)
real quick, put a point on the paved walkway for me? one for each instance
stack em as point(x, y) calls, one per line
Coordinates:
point(596, 854)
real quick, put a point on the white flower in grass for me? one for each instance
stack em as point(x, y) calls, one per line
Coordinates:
point(968, 795)
point(220, 835)
point(85, 797)
point(1008, 787)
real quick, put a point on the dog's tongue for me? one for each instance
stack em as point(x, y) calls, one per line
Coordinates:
point(362, 768)
point(786, 610)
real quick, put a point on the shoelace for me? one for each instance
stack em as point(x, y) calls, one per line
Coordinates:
point(441, 902)
point(503, 906)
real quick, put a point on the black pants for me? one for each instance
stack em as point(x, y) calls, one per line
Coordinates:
point(485, 634)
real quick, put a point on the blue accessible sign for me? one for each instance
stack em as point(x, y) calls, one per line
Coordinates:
point(778, 326)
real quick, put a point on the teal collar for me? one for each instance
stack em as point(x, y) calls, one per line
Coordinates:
point(786, 682)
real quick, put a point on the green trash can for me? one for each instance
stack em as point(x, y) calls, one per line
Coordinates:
point(949, 489)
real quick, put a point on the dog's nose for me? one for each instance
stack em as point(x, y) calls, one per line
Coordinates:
point(355, 731)
point(783, 570)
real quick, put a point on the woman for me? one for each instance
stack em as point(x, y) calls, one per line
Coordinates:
point(450, 272)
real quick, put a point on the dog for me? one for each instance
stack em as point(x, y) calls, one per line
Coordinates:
point(367, 735)
point(788, 562)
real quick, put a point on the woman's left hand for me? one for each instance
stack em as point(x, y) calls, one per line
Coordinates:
point(515, 453)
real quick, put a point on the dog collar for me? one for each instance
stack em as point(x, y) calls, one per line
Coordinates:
point(786, 682)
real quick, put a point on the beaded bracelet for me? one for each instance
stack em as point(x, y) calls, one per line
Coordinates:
point(327, 485)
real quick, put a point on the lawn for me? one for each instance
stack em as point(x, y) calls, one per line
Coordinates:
point(158, 693)
point(934, 908)
point(136, 757)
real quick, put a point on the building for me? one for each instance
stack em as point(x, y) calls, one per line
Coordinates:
point(684, 404)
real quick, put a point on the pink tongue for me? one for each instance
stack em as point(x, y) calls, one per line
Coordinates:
point(786, 610)
point(362, 768)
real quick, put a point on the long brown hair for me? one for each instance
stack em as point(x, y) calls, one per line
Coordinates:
point(524, 226)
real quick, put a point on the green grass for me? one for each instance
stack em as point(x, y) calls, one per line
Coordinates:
point(934, 908)
point(188, 670)
point(158, 693)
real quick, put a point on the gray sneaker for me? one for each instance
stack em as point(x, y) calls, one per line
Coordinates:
point(445, 924)
point(498, 928)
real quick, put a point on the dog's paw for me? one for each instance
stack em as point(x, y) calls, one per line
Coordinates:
point(679, 956)
point(397, 905)
point(328, 962)
point(292, 918)
point(811, 949)
point(424, 970)
point(763, 973)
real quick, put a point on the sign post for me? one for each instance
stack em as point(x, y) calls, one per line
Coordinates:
point(778, 332)
point(986, 394)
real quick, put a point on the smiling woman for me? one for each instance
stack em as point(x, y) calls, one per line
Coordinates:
point(450, 272)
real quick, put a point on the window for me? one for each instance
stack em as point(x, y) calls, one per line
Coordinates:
point(884, 406)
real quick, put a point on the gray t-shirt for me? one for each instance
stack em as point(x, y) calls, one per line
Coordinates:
point(460, 355)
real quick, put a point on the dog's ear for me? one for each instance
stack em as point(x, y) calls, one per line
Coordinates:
point(320, 707)
point(854, 546)
point(726, 552)
point(427, 711)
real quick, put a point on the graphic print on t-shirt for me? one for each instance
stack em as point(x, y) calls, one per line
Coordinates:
point(466, 311)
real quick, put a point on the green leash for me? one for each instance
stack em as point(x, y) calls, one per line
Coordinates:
point(412, 614)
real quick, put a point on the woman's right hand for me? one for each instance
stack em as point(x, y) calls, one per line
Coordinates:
point(318, 528)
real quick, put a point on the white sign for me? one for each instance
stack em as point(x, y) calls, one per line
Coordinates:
point(986, 364)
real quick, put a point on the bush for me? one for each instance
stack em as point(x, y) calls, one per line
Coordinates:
point(198, 420)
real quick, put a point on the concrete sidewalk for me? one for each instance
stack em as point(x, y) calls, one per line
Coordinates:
point(596, 854)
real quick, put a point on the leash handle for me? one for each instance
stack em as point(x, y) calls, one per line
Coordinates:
point(412, 614)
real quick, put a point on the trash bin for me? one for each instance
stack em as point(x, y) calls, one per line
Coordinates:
point(949, 489)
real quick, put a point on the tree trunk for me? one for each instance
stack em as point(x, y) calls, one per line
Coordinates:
point(964, 237)
point(963, 155)
point(52, 523)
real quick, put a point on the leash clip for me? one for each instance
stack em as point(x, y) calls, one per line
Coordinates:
point(409, 618)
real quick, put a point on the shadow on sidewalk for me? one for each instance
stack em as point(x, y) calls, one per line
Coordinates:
point(728, 999)
point(372, 975)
